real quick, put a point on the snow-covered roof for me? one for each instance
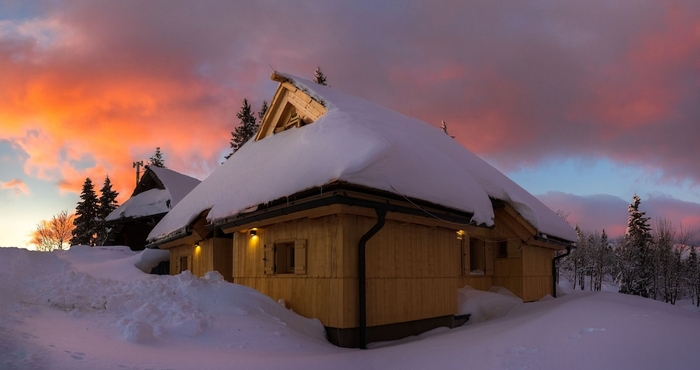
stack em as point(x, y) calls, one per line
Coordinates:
point(361, 143)
point(155, 197)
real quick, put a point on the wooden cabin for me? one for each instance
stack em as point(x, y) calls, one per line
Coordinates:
point(156, 192)
point(371, 262)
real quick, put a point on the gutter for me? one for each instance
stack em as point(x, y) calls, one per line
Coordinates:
point(361, 264)
point(177, 234)
point(554, 269)
point(336, 197)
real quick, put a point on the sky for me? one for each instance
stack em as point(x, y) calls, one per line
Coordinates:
point(584, 104)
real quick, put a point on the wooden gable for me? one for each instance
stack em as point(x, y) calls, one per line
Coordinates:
point(148, 181)
point(290, 107)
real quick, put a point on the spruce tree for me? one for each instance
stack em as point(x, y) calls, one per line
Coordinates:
point(85, 216)
point(319, 77)
point(635, 255)
point(156, 159)
point(106, 204)
point(263, 110)
point(246, 129)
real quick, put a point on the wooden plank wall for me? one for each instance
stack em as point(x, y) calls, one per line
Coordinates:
point(222, 255)
point(413, 270)
point(537, 272)
point(176, 253)
point(320, 292)
point(212, 254)
point(410, 269)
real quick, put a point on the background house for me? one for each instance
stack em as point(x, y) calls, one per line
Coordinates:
point(342, 208)
point(158, 191)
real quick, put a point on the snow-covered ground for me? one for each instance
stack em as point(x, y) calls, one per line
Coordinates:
point(91, 308)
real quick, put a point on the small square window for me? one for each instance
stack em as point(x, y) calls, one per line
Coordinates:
point(287, 257)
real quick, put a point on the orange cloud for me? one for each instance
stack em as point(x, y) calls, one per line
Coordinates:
point(17, 186)
point(77, 114)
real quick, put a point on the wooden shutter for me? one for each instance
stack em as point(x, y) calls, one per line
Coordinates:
point(269, 259)
point(464, 250)
point(300, 257)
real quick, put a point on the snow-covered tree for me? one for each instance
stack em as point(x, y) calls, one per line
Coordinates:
point(54, 233)
point(319, 77)
point(156, 159)
point(692, 277)
point(85, 216)
point(106, 204)
point(669, 268)
point(634, 255)
point(246, 129)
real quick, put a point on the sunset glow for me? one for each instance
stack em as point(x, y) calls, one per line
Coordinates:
point(532, 87)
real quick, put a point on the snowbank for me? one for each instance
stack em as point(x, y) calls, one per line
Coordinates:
point(483, 306)
point(56, 315)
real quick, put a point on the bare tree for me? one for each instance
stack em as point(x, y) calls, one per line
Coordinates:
point(54, 233)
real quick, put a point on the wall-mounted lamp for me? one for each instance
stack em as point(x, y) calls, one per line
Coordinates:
point(253, 232)
point(196, 245)
point(460, 234)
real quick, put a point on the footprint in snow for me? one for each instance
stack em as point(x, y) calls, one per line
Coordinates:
point(587, 331)
point(76, 355)
point(522, 350)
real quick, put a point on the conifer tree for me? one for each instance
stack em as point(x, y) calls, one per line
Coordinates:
point(693, 276)
point(635, 255)
point(246, 129)
point(263, 110)
point(85, 216)
point(156, 159)
point(319, 77)
point(106, 204)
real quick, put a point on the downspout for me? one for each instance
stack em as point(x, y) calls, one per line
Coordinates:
point(381, 218)
point(554, 269)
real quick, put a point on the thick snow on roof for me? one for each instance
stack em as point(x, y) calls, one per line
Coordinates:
point(177, 184)
point(156, 201)
point(365, 144)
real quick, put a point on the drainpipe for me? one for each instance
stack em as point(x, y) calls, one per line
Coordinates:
point(554, 269)
point(381, 218)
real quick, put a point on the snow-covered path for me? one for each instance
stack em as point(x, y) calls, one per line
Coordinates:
point(89, 308)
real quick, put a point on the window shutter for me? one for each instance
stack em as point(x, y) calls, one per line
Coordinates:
point(300, 257)
point(489, 258)
point(464, 250)
point(269, 259)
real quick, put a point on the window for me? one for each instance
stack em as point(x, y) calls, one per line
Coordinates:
point(184, 263)
point(502, 248)
point(285, 257)
point(477, 256)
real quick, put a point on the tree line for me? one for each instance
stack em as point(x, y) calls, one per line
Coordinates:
point(658, 262)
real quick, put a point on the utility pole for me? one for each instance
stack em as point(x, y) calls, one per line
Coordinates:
point(137, 165)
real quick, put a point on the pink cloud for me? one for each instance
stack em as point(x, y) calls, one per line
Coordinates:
point(16, 186)
point(517, 83)
point(609, 213)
